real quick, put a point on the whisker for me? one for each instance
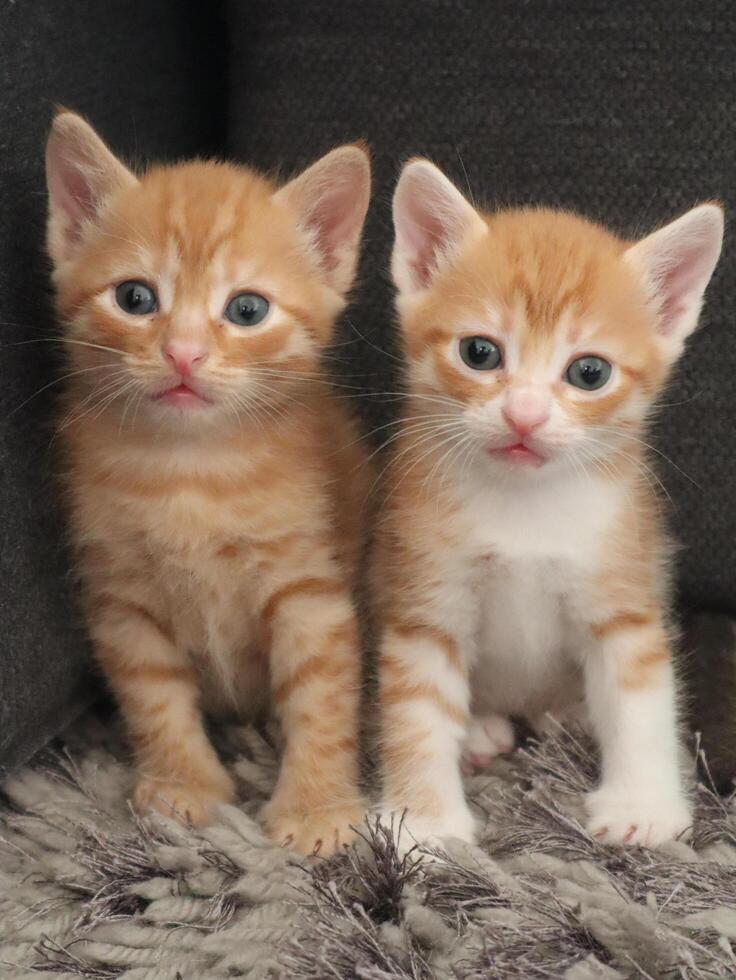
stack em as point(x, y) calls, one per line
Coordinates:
point(375, 347)
point(425, 436)
point(63, 341)
point(56, 381)
point(639, 465)
point(138, 403)
point(430, 430)
point(99, 393)
point(137, 387)
point(603, 467)
point(396, 422)
point(633, 438)
point(418, 460)
point(121, 388)
point(456, 445)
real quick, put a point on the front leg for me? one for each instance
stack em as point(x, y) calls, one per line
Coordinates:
point(630, 689)
point(157, 691)
point(424, 702)
point(312, 635)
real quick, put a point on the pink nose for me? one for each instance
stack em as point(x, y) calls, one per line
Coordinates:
point(185, 356)
point(525, 410)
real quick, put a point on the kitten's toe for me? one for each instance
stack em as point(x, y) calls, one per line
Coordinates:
point(190, 803)
point(488, 736)
point(644, 819)
point(473, 763)
point(322, 832)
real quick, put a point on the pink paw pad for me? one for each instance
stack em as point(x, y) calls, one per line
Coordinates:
point(488, 737)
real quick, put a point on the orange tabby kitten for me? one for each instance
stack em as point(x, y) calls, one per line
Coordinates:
point(217, 560)
point(521, 564)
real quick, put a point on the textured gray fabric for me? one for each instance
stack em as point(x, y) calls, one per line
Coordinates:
point(621, 110)
point(708, 667)
point(87, 891)
point(151, 78)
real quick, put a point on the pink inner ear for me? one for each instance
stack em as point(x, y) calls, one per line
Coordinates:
point(678, 280)
point(80, 190)
point(335, 223)
point(423, 233)
point(681, 258)
point(71, 191)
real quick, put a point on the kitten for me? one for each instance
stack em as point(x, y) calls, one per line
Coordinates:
point(216, 551)
point(521, 563)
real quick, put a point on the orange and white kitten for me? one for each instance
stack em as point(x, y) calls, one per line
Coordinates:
point(521, 562)
point(212, 515)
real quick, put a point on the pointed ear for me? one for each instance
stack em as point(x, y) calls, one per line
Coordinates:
point(81, 174)
point(676, 264)
point(330, 200)
point(432, 220)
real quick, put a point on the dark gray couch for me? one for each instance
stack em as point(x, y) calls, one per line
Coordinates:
point(624, 111)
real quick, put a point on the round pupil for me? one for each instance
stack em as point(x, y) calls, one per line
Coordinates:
point(590, 372)
point(479, 351)
point(135, 296)
point(247, 308)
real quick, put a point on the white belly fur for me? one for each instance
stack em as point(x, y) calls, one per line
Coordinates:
point(526, 657)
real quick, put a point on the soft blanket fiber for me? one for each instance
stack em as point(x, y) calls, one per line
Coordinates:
point(87, 890)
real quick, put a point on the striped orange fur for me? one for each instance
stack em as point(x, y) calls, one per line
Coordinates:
point(216, 525)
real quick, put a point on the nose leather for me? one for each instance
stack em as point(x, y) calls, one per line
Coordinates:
point(185, 356)
point(526, 409)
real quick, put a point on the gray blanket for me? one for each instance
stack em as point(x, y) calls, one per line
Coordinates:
point(87, 890)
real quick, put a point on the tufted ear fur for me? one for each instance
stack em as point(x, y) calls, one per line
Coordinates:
point(81, 174)
point(330, 200)
point(676, 264)
point(432, 220)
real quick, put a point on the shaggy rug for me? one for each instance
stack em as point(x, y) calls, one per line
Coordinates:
point(87, 890)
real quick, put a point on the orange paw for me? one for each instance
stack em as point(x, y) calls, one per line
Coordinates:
point(190, 803)
point(322, 831)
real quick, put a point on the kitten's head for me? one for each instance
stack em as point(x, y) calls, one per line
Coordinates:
point(197, 294)
point(537, 338)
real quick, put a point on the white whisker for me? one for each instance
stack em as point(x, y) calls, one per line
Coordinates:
point(56, 381)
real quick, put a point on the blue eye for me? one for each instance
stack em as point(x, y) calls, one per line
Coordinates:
point(588, 373)
point(246, 309)
point(480, 353)
point(135, 298)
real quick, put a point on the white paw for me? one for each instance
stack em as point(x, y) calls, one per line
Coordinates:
point(621, 817)
point(488, 736)
point(428, 831)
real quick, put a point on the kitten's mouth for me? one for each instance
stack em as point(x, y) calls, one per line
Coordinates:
point(183, 396)
point(518, 454)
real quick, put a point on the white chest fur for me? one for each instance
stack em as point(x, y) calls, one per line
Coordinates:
point(538, 547)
